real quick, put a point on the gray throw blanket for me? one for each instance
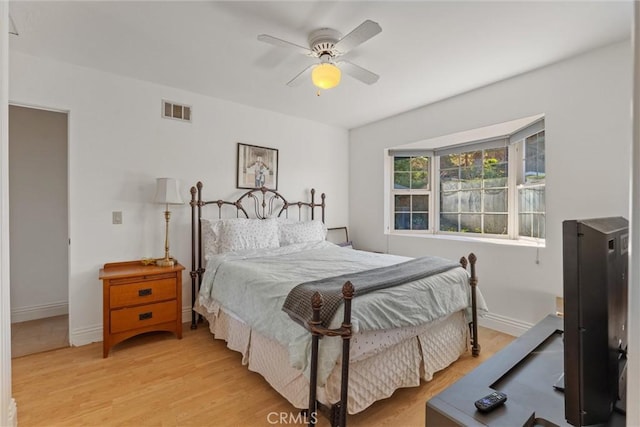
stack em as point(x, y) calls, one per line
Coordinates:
point(298, 302)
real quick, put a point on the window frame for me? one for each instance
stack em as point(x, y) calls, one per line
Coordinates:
point(521, 183)
point(410, 192)
point(516, 152)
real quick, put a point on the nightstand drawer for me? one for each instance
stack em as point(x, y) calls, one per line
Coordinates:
point(126, 319)
point(142, 292)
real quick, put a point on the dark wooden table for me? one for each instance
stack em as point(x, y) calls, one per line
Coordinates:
point(526, 371)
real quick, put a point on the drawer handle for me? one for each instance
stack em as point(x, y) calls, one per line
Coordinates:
point(145, 292)
point(145, 316)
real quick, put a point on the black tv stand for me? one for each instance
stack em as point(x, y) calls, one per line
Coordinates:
point(526, 370)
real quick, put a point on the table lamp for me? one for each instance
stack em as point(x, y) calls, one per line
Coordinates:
point(167, 193)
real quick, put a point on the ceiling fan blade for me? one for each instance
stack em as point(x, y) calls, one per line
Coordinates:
point(359, 35)
point(356, 71)
point(297, 80)
point(283, 43)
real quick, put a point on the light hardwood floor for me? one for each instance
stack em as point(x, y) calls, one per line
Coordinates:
point(157, 380)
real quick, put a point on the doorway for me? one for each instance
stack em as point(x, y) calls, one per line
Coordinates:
point(39, 230)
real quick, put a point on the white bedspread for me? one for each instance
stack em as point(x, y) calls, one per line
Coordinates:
point(254, 284)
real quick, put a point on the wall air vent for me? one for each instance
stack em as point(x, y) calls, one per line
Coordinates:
point(171, 110)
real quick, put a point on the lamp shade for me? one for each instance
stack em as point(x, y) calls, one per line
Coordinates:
point(167, 191)
point(326, 76)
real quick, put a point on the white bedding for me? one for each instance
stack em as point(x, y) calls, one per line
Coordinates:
point(381, 361)
point(253, 284)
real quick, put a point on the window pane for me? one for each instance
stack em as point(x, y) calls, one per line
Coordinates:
point(471, 158)
point(471, 184)
point(401, 180)
point(402, 221)
point(471, 223)
point(531, 211)
point(495, 168)
point(401, 164)
point(538, 226)
point(532, 225)
point(402, 203)
point(449, 202)
point(420, 221)
point(449, 161)
point(524, 225)
point(471, 201)
point(496, 173)
point(495, 200)
point(496, 183)
point(419, 180)
point(541, 204)
point(420, 203)
point(471, 177)
point(420, 163)
point(449, 222)
point(532, 199)
point(496, 156)
point(495, 224)
point(534, 160)
point(449, 179)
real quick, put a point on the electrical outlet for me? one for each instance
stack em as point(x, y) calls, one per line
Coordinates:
point(116, 217)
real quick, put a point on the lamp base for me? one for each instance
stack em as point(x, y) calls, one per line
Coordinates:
point(163, 262)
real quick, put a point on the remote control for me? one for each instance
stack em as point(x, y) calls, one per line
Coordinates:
point(490, 401)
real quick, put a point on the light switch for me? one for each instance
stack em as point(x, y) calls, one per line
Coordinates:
point(116, 217)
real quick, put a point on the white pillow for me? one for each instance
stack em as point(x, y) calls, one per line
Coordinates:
point(240, 234)
point(210, 235)
point(301, 232)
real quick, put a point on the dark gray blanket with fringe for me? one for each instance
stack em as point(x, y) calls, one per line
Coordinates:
point(298, 302)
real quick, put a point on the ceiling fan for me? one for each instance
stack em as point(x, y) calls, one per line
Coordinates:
point(327, 45)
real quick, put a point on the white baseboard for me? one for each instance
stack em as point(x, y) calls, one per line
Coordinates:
point(186, 314)
point(12, 414)
point(83, 336)
point(23, 314)
point(504, 324)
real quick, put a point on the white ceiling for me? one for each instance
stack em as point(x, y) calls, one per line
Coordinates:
point(427, 50)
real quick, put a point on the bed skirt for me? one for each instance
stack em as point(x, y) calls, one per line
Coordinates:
point(381, 361)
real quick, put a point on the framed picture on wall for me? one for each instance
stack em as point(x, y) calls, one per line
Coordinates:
point(257, 167)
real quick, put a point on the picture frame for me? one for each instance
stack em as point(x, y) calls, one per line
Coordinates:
point(257, 167)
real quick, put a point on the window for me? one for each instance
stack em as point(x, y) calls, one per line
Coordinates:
point(492, 187)
point(411, 192)
point(473, 191)
point(531, 200)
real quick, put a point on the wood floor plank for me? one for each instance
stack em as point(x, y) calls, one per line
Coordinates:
point(157, 380)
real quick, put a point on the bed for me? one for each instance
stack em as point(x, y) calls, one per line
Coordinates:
point(245, 265)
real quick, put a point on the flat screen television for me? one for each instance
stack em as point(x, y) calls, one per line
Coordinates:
point(595, 268)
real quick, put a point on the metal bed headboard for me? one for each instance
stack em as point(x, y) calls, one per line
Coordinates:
point(262, 202)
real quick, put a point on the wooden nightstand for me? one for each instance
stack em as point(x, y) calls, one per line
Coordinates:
point(139, 298)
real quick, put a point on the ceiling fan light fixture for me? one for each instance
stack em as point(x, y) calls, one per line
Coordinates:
point(326, 76)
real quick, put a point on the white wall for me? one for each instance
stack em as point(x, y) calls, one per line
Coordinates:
point(586, 101)
point(119, 144)
point(38, 213)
